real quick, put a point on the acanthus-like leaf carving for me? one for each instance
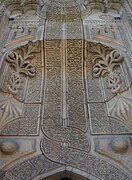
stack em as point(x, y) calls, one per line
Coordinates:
point(20, 64)
point(122, 110)
point(105, 60)
point(114, 82)
point(14, 82)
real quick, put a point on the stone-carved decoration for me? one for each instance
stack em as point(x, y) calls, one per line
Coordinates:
point(119, 145)
point(39, 167)
point(62, 95)
point(108, 69)
point(10, 109)
point(18, 69)
point(69, 129)
point(24, 27)
point(105, 62)
point(104, 29)
point(61, 21)
point(121, 110)
point(65, 125)
point(83, 161)
point(44, 5)
point(32, 168)
point(85, 6)
point(118, 148)
point(59, 97)
point(64, 122)
point(19, 64)
point(104, 6)
point(9, 147)
point(64, 116)
point(106, 83)
point(12, 149)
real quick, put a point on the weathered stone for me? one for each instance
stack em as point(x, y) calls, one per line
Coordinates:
point(65, 81)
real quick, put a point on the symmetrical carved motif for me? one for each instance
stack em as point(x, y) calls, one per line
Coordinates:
point(64, 122)
point(71, 97)
point(108, 69)
point(10, 109)
point(105, 62)
point(84, 161)
point(17, 68)
point(18, 65)
point(122, 110)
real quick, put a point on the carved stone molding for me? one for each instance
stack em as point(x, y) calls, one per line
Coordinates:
point(39, 166)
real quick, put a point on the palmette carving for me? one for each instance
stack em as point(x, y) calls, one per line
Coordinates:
point(105, 60)
point(14, 82)
point(19, 64)
point(17, 68)
point(121, 110)
point(10, 109)
point(107, 64)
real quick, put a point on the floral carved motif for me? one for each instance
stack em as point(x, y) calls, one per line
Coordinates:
point(107, 64)
point(105, 60)
point(19, 64)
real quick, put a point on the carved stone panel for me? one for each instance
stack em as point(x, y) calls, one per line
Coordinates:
point(107, 87)
point(66, 99)
point(20, 96)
